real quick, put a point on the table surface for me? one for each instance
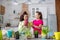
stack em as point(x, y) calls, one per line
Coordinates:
point(26, 39)
point(29, 39)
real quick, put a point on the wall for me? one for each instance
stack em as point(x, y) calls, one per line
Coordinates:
point(0, 2)
point(9, 15)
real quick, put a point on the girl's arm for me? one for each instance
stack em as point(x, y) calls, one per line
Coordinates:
point(20, 26)
point(36, 26)
point(40, 26)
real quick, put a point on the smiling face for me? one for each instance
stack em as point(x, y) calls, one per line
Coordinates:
point(25, 17)
point(37, 16)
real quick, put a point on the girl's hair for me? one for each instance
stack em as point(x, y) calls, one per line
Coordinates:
point(22, 16)
point(39, 13)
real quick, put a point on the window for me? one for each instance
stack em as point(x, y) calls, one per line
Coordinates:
point(1, 19)
point(33, 12)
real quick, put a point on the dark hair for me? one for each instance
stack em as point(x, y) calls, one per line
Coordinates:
point(22, 16)
point(39, 13)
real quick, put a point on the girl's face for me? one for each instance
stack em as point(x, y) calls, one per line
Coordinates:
point(37, 16)
point(25, 17)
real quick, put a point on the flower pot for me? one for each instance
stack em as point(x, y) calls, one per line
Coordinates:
point(57, 35)
point(17, 35)
point(9, 33)
point(36, 34)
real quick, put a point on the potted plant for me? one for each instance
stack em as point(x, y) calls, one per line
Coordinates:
point(45, 31)
point(17, 35)
point(28, 33)
point(36, 34)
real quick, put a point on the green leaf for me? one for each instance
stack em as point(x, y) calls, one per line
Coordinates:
point(45, 30)
point(36, 32)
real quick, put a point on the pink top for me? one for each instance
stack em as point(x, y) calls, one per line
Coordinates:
point(37, 23)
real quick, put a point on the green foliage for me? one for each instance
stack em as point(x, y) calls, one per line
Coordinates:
point(1, 35)
point(45, 30)
point(36, 32)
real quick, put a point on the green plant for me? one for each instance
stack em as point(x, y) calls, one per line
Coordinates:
point(27, 32)
point(17, 35)
point(17, 32)
point(45, 30)
point(36, 32)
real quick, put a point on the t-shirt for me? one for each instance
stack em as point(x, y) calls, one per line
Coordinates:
point(37, 23)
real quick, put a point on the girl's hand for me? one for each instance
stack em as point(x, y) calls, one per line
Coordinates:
point(40, 26)
point(36, 26)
